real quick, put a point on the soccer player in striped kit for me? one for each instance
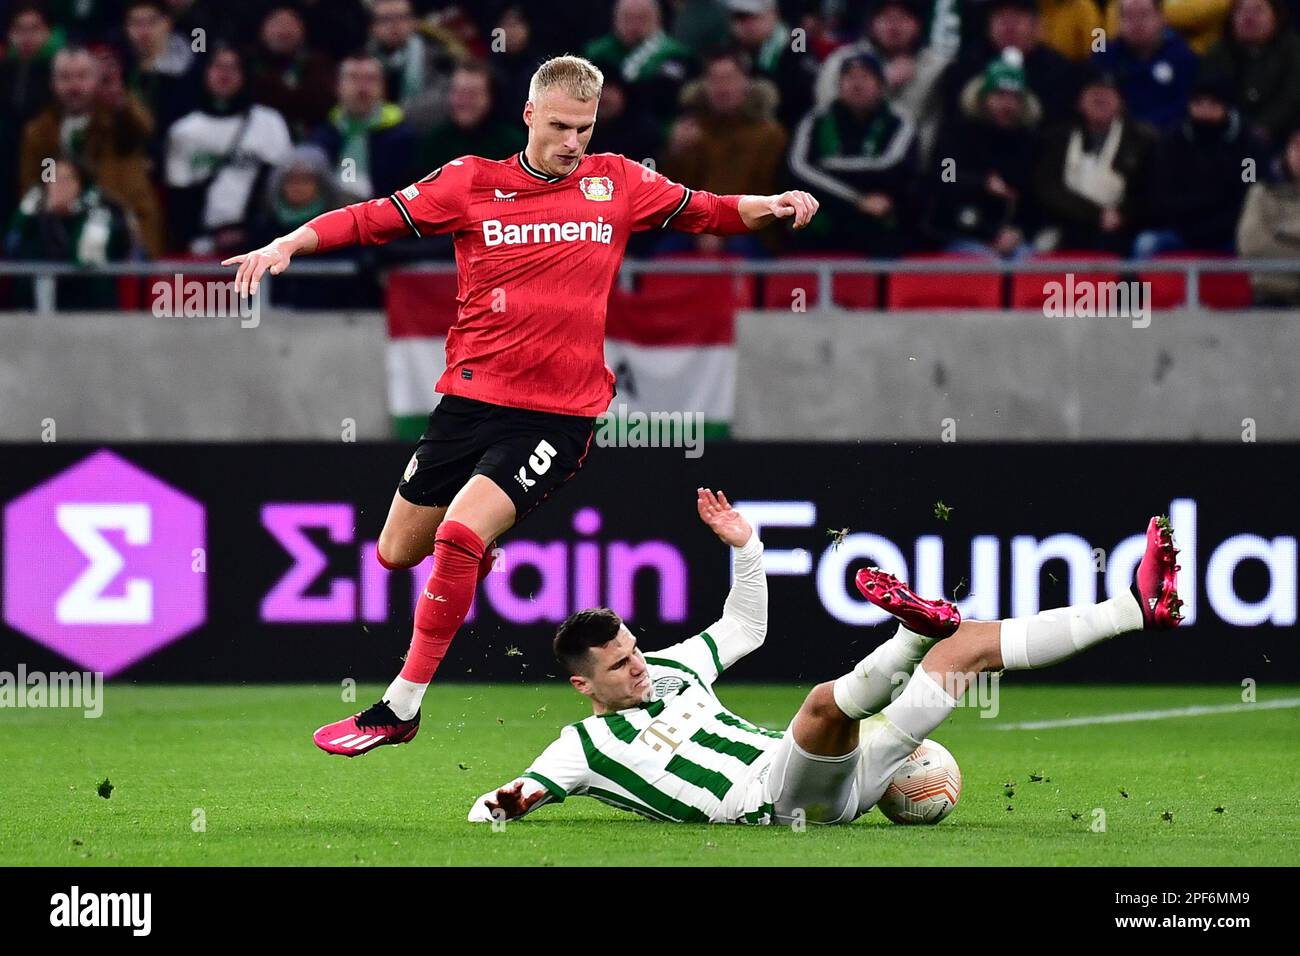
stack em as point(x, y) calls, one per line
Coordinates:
point(661, 744)
point(539, 238)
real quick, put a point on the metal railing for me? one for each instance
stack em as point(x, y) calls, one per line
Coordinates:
point(44, 274)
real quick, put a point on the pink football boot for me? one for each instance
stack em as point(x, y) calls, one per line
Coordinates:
point(1155, 585)
point(360, 733)
point(936, 619)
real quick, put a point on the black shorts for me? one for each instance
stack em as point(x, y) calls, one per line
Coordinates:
point(527, 454)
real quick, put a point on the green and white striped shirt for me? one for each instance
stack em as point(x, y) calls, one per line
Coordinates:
point(682, 756)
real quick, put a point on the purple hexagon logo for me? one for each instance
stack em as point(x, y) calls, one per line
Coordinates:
point(100, 563)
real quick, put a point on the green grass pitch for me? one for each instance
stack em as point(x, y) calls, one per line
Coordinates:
point(239, 761)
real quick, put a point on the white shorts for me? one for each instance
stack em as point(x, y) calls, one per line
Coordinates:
point(820, 789)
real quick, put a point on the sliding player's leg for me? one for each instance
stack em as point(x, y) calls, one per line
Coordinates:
point(1042, 640)
point(875, 680)
point(814, 771)
point(812, 775)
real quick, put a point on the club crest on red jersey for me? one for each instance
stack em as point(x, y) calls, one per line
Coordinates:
point(597, 188)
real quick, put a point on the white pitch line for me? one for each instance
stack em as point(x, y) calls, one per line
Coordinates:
point(1140, 715)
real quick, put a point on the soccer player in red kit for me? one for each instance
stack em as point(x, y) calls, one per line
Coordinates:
point(539, 238)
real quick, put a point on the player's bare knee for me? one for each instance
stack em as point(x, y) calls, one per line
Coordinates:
point(820, 704)
point(393, 556)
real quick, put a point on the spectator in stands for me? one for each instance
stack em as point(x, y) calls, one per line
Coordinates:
point(301, 188)
point(555, 27)
point(85, 22)
point(473, 126)
point(757, 28)
point(1198, 180)
point(699, 24)
point(620, 129)
point(218, 159)
point(822, 27)
point(1090, 173)
point(913, 67)
point(1270, 226)
point(372, 148)
point(516, 56)
point(190, 15)
point(1261, 54)
point(25, 67)
point(94, 124)
point(1154, 65)
point(1015, 25)
point(24, 89)
point(631, 133)
point(858, 156)
point(727, 139)
point(417, 65)
point(1199, 22)
point(652, 63)
point(162, 69)
point(336, 27)
point(1071, 27)
point(287, 75)
point(65, 219)
point(981, 186)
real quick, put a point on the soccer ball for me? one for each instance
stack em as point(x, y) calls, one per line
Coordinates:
point(925, 788)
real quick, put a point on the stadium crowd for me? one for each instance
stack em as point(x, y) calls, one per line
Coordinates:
point(163, 128)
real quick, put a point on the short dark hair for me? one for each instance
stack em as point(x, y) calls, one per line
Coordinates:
point(580, 632)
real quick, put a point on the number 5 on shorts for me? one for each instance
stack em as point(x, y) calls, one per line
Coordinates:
point(540, 460)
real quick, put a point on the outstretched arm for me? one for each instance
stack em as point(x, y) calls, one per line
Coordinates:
point(558, 772)
point(373, 222)
point(660, 203)
point(435, 204)
point(743, 625)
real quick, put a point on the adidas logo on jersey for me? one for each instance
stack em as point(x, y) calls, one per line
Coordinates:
point(496, 233)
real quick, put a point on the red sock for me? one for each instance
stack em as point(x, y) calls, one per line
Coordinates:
point(457, 553)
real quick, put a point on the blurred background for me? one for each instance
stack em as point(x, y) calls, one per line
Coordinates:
point(923, 379)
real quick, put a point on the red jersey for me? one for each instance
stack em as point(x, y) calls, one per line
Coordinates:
point(536, 256)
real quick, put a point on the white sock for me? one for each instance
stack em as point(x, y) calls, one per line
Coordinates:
point(1052, 636)
point(867, 688)
point(921, 707)
point(404, 697)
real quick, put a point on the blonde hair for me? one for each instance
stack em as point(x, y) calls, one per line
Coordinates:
point(573, 75)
